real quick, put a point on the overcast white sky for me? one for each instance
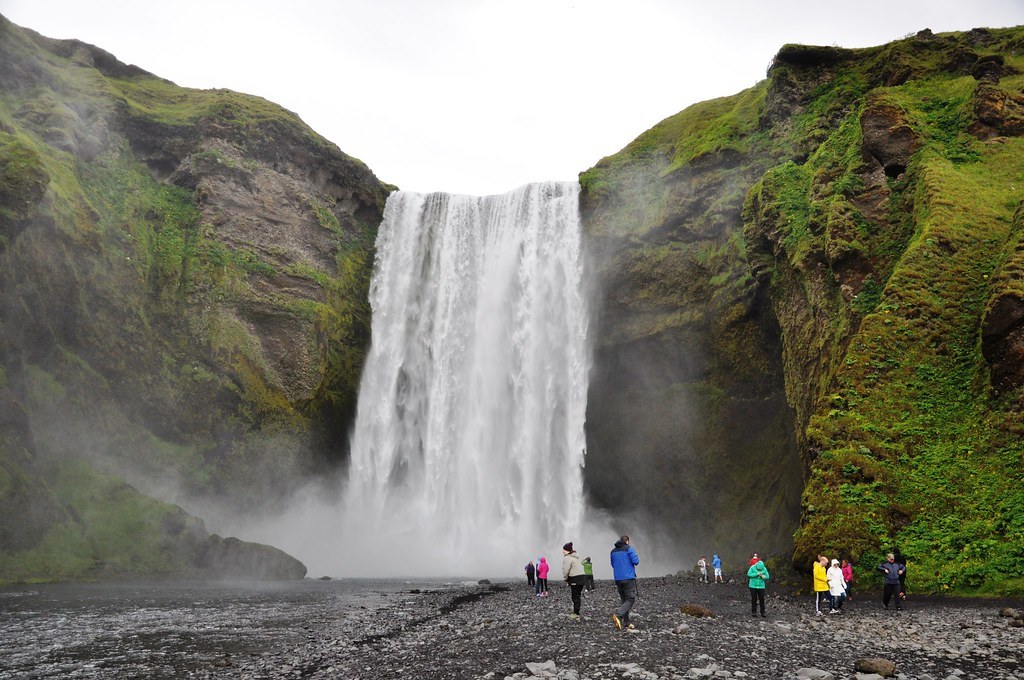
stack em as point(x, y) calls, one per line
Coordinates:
point(482, 96)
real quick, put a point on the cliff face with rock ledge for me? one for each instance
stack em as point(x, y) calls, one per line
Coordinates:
point(184, 280)
point(810, 314)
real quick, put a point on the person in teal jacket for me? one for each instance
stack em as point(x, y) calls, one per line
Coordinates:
point(758, 575)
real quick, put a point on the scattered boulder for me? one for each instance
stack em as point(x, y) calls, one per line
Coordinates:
point(814, 674)
point(882, 667)
point(545, 669)
point(696, 610)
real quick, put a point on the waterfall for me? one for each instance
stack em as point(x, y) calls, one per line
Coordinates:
point(468, 447)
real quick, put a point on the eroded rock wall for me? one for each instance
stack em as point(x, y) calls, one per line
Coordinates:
point(184, 279)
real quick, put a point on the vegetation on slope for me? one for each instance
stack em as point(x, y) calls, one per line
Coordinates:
point(184, 279)
point(908, 445)
point(881, 222)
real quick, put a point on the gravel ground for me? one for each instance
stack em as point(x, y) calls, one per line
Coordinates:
point(502, 630)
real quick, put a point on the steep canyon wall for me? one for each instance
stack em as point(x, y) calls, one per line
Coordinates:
point(807, 316)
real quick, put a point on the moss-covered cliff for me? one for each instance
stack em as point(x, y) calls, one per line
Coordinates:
point(183, 277)
point(837, 250)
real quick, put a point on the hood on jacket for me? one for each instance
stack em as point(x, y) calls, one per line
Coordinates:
point(618, 544)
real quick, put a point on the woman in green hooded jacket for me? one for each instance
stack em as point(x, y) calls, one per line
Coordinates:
point(758, 575)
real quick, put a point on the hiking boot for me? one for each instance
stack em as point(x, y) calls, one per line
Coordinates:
point(575, 617)
point(630, 627)
point(615, 620)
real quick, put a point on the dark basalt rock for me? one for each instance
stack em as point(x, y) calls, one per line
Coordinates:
point(230, 558)
point(988, 69)
point(998, 112)
point(888, 139)
point(1002, 342)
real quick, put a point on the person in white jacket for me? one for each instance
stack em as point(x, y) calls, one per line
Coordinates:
point(836, 587)
point(574, 575)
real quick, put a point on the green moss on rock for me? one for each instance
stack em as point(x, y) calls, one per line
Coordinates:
point(880, 227)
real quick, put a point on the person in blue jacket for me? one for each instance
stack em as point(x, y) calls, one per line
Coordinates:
point(624, 560)
point(716, 562)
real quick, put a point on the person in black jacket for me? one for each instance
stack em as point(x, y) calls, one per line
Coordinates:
point(891, 579)
point(900, 559)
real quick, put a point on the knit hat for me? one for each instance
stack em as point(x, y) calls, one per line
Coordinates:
point(567, 547)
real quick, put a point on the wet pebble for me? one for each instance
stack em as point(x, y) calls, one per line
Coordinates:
point(502, 631)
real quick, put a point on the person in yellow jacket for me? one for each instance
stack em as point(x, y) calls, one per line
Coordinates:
point(820, 583)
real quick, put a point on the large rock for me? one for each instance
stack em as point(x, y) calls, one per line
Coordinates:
point(887, 138)
point(1002, 339)
point(998, 112)
point(876, 665)
point(1002, 329)
point(230, 558)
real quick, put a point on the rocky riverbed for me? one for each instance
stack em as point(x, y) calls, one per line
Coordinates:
point(503, 631)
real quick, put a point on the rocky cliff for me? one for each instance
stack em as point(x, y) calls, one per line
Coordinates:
point(810, 312)
point(183, 277)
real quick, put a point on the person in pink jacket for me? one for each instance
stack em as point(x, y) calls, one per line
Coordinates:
point(542, 577)
point(848, 577)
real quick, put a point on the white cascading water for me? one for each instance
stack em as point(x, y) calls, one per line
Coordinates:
point(469, 444)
